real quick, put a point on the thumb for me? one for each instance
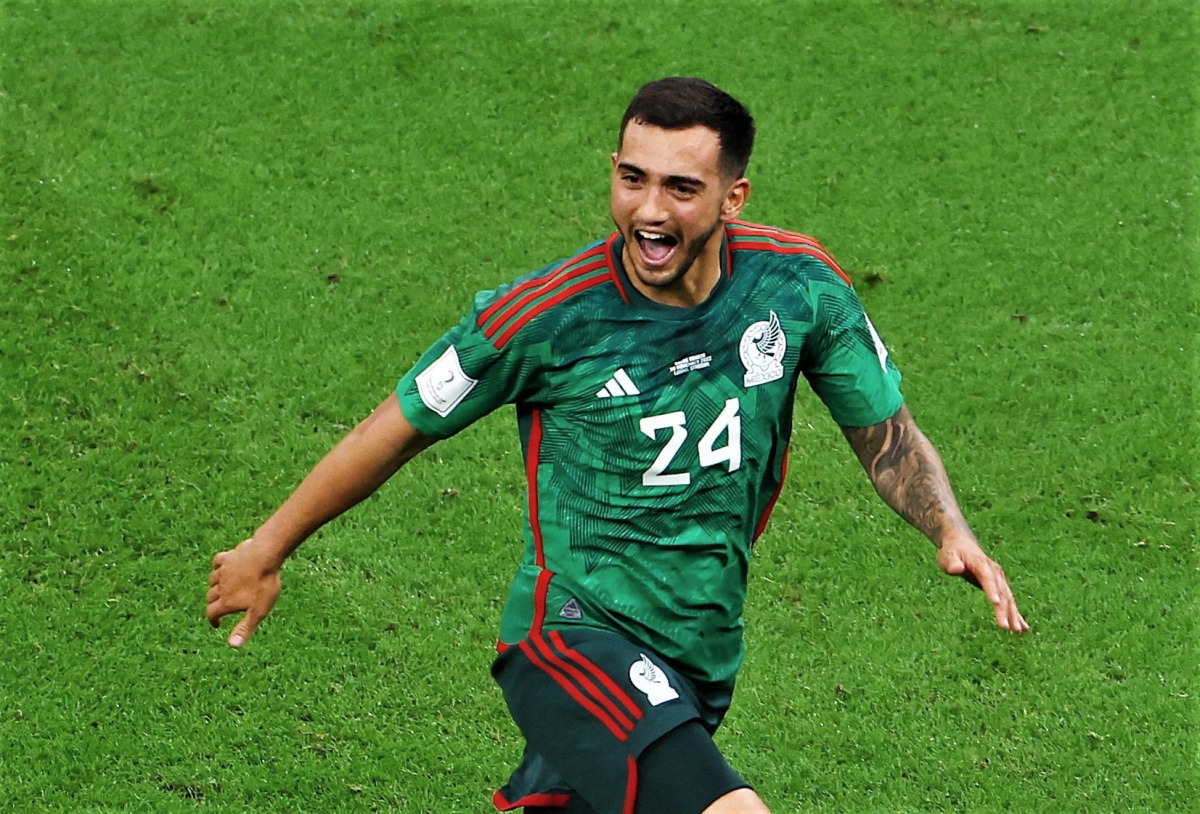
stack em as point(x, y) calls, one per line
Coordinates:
point(950, 562)
point(257, 608)
point(954, 564)
point(243, 630)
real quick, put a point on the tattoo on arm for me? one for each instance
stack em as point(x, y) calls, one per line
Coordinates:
point(908, 474)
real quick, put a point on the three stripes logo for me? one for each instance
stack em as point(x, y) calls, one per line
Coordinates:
point(585, 682)
point(619, 385)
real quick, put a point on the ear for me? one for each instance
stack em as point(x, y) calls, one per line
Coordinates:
point(735, 200)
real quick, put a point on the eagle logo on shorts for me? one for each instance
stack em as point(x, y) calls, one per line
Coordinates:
point(650, 679)
point(762, 347)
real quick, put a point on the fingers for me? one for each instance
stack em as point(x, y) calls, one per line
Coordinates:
point(239, 583)
point(242, 631)
point(213, 611)
point(256, 609)
point(1009, 617)
point(992, 580)
point(218, 608)
point(975, 567)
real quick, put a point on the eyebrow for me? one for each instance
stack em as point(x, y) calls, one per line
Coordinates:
point(671, 179)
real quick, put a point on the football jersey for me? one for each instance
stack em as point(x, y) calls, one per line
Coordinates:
point(654, 437)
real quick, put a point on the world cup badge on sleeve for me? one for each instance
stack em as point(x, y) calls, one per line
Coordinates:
point(443, 384)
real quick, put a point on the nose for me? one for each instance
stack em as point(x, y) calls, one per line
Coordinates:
point(651, 206)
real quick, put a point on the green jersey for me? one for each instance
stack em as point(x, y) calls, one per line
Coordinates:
point(655, 438)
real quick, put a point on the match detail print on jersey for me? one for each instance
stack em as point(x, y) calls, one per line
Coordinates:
point(697, 361)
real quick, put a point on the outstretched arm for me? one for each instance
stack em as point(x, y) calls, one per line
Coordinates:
point(246, 578)
point(908, 474)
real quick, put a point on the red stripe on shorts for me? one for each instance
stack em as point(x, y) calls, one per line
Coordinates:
point(582, 681)
point(631, 785)
point(546, 800)
point(564, 681)
point(604, 678)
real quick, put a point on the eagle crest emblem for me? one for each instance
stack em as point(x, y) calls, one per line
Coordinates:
point(762, 347)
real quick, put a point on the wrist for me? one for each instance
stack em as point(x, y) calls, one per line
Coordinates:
point(269, 550)
point(957, 535)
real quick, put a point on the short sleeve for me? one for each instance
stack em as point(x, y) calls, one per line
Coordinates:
point(467, 374)
point(846, 362)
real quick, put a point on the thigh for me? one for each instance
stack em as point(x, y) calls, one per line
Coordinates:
point(588, 704)
point(683, 772)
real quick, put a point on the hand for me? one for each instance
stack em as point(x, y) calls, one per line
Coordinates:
point(964, 558)
point(244, 579)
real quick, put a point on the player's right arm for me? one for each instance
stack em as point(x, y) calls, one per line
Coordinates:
point(463, 376)
point(246, 578)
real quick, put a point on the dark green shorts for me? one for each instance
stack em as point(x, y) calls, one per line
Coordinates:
point(589, 704)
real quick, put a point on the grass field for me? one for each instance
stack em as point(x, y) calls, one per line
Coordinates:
point(229, 227)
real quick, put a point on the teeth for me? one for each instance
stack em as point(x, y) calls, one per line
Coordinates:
point(650, 236)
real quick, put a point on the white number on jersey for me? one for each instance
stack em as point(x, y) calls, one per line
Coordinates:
point(728, 423)
point(650, 425)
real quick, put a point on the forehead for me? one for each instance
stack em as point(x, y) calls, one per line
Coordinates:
point(694, 151)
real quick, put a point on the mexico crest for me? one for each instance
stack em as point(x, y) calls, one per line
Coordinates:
point(762, 348)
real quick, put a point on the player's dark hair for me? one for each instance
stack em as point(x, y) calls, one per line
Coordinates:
point(678, 102)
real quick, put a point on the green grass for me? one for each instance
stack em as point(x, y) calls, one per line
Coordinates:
point(228, 228)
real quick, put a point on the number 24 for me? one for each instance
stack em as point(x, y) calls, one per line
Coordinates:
point(729, 421)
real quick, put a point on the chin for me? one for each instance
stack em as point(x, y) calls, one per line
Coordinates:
point(658, 278)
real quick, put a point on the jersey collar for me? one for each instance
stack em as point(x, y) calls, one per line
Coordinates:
point(636, 299)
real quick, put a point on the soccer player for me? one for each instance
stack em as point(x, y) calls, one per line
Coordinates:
point(654, 375)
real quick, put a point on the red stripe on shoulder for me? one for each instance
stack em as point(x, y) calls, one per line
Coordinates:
point(515, 306)
point(543, 306)
point(612, 267)
point(534, 282)
point(509, 313)
point(772, 239)
point(741, 228)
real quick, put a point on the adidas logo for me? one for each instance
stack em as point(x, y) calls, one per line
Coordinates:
point(619, 385)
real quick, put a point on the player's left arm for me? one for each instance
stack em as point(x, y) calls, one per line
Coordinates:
point(908, 474)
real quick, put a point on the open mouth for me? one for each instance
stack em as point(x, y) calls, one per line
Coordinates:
point(656, 249)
